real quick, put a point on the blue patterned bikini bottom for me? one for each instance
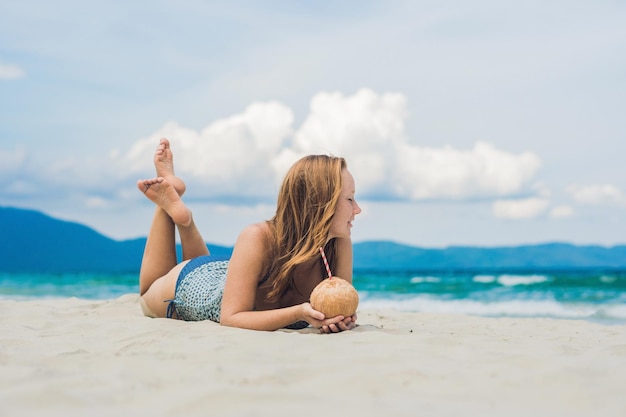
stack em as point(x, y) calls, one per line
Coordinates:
point(199, 290)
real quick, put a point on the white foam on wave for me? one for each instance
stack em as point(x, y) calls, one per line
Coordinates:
point(420, 280)
point(512, 308)
point(484, 279)
point(608, 279)
point(512, 280)
point(613, 311)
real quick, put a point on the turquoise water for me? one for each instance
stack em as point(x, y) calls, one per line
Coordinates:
point(596, 295)
point(22, 286)
point(592, 295)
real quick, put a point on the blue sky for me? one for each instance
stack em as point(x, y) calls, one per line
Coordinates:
point(464, 123)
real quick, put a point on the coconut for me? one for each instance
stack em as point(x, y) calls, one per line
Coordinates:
point(335, 297)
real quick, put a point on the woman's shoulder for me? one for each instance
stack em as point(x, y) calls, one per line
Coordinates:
point(259, 230)
point(253, 246)
point(256, 235)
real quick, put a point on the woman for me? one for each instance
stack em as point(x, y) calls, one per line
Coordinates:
point(275, 264)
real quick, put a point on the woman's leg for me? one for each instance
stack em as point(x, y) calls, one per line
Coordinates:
point(160, 251)
point(192, 242)
point(159, 266)
point(159, 269)
point(159, 255)
point(157, 281)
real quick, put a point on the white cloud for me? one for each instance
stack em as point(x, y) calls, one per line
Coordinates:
point(245, 156)
point(20, 187)
point(242, 158)
point(519, 209)
point(483, 171)
point(10, 72)
point(369, 129)
point(96, 202)
point(561, 212)
point(366, 128)
point(597, 194)
point(12, 160)
point(231, 156)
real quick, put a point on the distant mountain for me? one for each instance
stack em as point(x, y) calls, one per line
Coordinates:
point(550, 256)
point(31, 241)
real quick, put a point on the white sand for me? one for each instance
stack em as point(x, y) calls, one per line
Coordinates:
point(83, 358)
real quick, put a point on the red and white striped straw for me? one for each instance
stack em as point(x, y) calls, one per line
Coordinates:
point(326, 263)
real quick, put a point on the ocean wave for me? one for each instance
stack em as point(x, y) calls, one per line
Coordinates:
point(421, 280)
point(509, 280)
point(484, 279)
point(513, 280)
point(510, 308)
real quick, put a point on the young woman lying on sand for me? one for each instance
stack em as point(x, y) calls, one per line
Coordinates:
point(275, 264)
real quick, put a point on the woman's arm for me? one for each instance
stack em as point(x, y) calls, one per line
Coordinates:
point(244, 271)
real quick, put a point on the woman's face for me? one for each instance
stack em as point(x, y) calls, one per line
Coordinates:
point(346, 209)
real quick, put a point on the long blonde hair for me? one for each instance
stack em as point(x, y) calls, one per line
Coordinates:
point(306, 204)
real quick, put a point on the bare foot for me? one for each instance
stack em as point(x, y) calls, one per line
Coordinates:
point(164, 164)
point(163, 194)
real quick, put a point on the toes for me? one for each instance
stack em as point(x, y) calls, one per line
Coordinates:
point(164, 145)
point(143, 185)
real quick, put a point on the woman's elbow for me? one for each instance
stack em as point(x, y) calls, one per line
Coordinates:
point(229, 319)
point(226, 320)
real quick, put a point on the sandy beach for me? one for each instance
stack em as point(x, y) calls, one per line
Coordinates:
point(76, 357)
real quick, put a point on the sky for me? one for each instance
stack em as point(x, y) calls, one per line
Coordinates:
point(482, 123)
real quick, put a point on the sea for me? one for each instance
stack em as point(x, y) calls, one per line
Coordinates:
point(598, 296)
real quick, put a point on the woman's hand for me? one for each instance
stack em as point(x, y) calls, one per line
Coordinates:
point(339, 324)
point(331, 325)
